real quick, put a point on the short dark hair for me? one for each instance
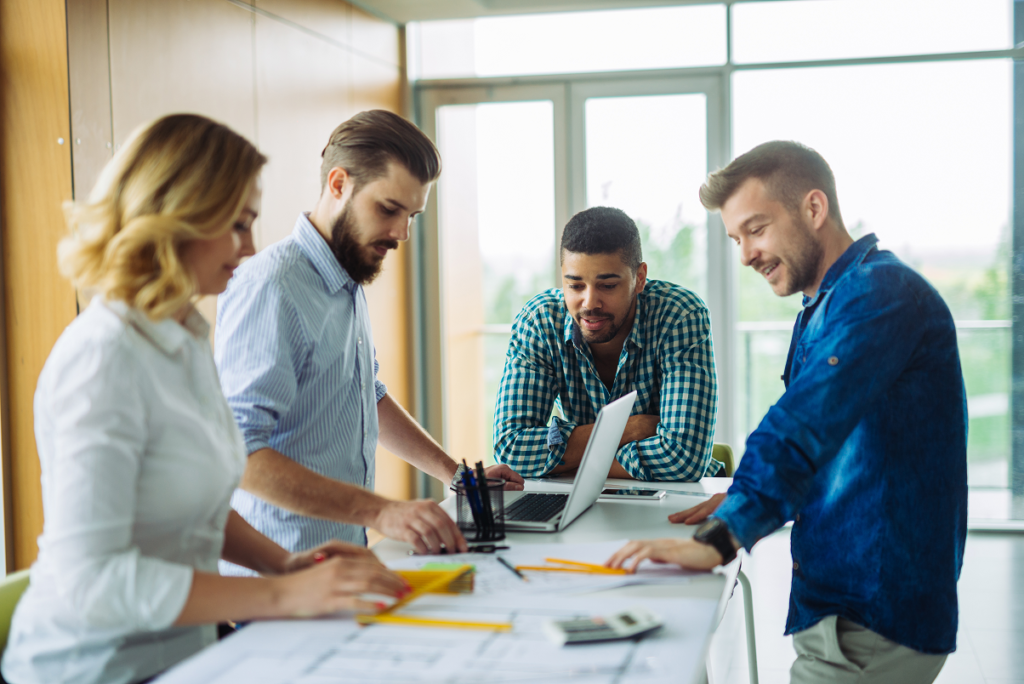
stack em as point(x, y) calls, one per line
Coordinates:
point(366, 143)
point(789, 170)
point(603, 230)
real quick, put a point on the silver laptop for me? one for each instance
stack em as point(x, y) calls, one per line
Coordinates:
point(537, 512)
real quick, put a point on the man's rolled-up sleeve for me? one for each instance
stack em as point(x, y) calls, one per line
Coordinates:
point(688, 405)
point(872, 335)
point(379, 388)
point(259, 352)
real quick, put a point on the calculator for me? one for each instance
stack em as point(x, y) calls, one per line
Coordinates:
point(625, 625)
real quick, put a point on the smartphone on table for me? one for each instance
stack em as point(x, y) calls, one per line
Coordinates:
point(635, 493)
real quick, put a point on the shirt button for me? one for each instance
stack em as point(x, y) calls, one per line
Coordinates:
point(360, 340)
point(833, 360)
point(796, 566)
point(798, 517)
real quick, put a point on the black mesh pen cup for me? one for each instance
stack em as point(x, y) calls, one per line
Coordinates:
point(480, 511)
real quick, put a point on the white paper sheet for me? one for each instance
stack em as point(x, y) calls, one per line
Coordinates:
point(333, 652)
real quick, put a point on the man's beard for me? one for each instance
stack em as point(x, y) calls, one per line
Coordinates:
point(802, 263)
point(610, 333)
point(351, 254)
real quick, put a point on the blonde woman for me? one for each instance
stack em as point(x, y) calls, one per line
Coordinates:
point(139, 451)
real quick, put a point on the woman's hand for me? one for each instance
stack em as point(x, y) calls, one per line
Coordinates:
point(331, 549)
point(334, 585)
point(699, 513)
point(685, 553)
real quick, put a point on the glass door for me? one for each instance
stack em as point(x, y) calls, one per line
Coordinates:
point(518, 161)
point(498, 204)
point(645, 146)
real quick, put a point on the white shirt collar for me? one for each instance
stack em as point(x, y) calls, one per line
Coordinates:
point(168, 335)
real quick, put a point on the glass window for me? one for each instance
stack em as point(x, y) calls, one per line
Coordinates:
point(652, 38)
point(654, 177)
point(497, 237)
point(922, 155)
point(841, 29)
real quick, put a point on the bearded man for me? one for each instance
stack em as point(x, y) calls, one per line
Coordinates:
point(608, 331)
point(295, 355)
point(865, 452)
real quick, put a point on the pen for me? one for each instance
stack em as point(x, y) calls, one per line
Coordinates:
point(474, 504)
point(512, 568)
point(485, 497)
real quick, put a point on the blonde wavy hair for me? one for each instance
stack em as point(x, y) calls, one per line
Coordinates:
point(179, 178)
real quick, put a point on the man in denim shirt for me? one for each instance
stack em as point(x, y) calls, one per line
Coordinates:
point(866, 452)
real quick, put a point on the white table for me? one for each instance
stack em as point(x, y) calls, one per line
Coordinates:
point(605, 521)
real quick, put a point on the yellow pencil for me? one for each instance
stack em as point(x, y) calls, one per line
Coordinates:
point(585, 571)
point(412, 621)
point(592, 566)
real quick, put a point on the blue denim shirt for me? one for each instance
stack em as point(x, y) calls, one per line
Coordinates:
point(867, 453)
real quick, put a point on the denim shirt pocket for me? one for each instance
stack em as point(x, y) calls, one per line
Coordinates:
point(808, 340)
point(810, 336)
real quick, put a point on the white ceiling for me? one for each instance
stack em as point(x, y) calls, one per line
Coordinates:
point(404, 11)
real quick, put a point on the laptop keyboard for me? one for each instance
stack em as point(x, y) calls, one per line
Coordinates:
point(536, 507)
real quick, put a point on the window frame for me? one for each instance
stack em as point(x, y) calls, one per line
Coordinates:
point(722, 270)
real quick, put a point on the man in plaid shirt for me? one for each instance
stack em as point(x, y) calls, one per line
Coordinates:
point(607, 332)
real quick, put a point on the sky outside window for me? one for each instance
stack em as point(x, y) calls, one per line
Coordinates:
point(570, 42)
point(843, 29)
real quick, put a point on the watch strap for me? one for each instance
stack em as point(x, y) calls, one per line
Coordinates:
point(715, 533)
point(457, 477)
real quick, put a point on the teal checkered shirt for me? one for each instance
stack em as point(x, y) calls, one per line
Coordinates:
point(667, 359)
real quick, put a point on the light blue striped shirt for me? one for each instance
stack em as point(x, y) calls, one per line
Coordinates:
point(297, 364)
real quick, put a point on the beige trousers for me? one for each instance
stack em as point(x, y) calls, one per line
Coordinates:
point(840, 651)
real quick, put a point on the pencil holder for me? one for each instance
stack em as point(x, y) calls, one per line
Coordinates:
point(480, 511)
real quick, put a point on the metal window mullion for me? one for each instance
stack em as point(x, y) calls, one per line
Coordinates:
point(1016, 474)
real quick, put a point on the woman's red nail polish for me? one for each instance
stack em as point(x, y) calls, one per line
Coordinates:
point(318, 557)
point(380, 605)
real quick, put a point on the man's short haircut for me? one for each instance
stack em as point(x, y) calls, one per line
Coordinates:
point(366, 143)
point(788, 170)
point(603, 230)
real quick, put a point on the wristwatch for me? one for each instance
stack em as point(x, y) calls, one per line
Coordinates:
point(457, 478)
point(716, 533)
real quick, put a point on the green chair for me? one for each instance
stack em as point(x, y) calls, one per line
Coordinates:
point(11, 589)
point(723, 454)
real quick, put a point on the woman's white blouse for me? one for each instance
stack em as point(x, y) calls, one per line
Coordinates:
point(139, 455)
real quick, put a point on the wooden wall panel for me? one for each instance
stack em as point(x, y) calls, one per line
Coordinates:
point(170, 56)
point(303, 93)
point(92, 130)
point(283, 76)
point(373, 85)
point(35, 179)
point(331, 19)
point(374, 38)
